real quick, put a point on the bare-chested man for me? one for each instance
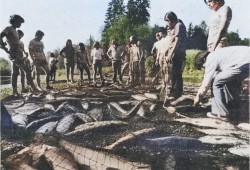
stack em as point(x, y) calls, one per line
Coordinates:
point(16, 53)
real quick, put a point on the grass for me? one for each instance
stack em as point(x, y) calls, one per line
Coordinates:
point(189, 74)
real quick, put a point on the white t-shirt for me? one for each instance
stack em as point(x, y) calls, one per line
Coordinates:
point(223, 59)
point(97, 54)
point(216, 23)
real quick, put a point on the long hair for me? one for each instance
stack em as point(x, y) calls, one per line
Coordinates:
point(171, 16)
point(221, 2)
point(14, 18)
point(68, 42)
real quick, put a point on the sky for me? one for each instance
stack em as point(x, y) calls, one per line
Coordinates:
point(78, 19)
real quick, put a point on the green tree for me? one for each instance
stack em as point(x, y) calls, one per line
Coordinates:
point(120, 30)
point(90, 41)
point(197, 36)
point(190, 30)
point(5, 67)
point(137, 11)
point(233, 38)
point(115, 9)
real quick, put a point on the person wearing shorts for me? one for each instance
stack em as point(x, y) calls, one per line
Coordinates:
point(37, 55)
point(15, 53)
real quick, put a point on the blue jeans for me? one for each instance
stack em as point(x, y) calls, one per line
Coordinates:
point(227, 88)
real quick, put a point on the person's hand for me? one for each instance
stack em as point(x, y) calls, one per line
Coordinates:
point(156, 63)
point(197, 99)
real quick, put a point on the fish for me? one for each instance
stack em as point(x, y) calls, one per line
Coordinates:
point(47, 128)
point(223, 140)
point(99, 159)
point(139, 97)
point(20, 120)
point(244, 126)
point(177, 142)
point(207, 122)
point(70, 100)
point(117, 107)
point(96, 114)
point(183, 100)
point(66, 124)
point(33, 126)
point(191, 108)
point(122, 114)
point(95, 125)
point(130, 136)
point(242, 150)
point(60, 159)
point(152, 96)
point(84, 117)
point(40, 113)
point(65, 109)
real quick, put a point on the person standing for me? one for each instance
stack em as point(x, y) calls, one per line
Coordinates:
point(97, 57)
point(175, 55)
point(126, 60)
point(115, 53)
point(232, 65)
point(154, 52)
point(135, 57)
point(15, 52)
point(142, 63)
point(82, 61)
point(69, 59)
point(162, 46)
point(36, 47)
point(218, 23)
point(26, 60)
point(53, 67)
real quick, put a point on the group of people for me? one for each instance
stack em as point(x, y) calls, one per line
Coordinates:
point(225, 67)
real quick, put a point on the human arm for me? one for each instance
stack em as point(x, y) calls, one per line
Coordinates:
point(174, 39)
point(87, 59)
point(108, 53)
point(61, 53)
point(211, 66)
point(2, 43)
point(153, 49)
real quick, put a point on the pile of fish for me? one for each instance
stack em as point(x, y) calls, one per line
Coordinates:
point(72, 114)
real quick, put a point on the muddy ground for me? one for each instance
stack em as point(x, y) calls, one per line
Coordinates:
point(205, 156)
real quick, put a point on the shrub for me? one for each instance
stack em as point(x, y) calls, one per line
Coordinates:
point(189, 69)
point(5, 67)
point(149, 65)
